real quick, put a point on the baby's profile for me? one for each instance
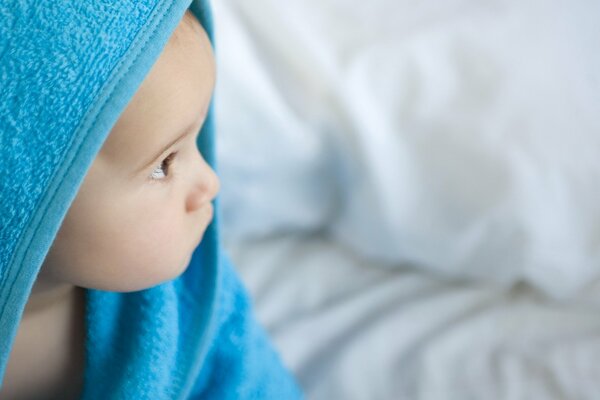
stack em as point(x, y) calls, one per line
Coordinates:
point(138, 217)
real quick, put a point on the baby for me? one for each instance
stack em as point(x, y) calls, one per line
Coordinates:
point(142, 209)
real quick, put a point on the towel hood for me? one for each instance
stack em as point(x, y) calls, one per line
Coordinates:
point(67, 71)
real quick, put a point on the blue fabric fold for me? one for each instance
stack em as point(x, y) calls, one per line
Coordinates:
point(67, 71)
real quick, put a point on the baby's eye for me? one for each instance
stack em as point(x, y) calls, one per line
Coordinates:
point(162, 171)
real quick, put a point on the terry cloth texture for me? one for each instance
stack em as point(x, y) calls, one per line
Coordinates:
point(67, 71)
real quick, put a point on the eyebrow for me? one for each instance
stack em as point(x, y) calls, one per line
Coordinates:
point(185, 133)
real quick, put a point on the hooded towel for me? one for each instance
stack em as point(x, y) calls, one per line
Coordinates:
point(67, 71)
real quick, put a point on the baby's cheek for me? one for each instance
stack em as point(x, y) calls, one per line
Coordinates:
point(159, 233)
point(142, 254)
point(120, 245)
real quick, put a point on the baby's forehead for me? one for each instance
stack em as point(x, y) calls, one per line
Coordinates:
point(188, 25)
point(173, 96)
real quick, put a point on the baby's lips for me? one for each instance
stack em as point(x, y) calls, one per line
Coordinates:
point(211, 210)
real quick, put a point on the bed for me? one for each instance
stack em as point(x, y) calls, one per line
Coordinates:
point(410, 191)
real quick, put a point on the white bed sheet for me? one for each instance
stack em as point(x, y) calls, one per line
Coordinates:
point(461, 137)
point(351, 331)
point(410, 191)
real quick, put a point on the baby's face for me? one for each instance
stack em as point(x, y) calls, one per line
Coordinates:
point(145, 203)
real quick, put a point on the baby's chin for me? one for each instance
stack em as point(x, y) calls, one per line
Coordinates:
point(177, 270)
point(146, 277)
point(188, 257)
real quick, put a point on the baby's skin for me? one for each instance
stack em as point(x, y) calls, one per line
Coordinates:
point(141, 210)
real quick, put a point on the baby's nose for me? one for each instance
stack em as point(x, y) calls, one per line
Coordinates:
point(205, 187)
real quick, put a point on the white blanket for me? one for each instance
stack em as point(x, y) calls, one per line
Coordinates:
point(460, 138)
point(353, 332)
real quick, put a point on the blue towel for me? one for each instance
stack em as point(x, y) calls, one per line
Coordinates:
point(67, 71)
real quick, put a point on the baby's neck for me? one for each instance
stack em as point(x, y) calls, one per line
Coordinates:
point(48, 354)
point(47, 297)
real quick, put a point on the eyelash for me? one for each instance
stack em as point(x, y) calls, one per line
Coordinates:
point(164, 167)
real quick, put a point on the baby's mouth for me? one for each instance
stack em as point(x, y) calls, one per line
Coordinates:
point(211, 212)
point(207, 217)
